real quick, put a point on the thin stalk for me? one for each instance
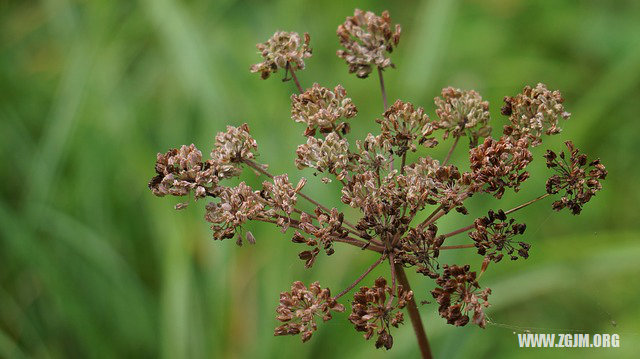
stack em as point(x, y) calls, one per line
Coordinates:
point(426, 220)
point(393, 279)
point(360, 278)
point(459, 246)
point(471, 226)
point(453, 147)
point(384, 92)
point(414, 314)
point(295, 79)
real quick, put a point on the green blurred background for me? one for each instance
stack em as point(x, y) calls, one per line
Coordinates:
point(92, 265)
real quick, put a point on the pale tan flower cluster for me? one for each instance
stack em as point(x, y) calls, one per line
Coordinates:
point(281, 50)
point(322, 109)
point(233, 146)
point(281, 194)
point(463, 113)
point(497, 165)
point(403, 126)
point(330, 154)
point(237, 205)
point(420, 183)
point(367, 39)
point(299, 308)
point(534, 112)
point(180, 171)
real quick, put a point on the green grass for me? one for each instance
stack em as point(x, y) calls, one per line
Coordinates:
point(92, 265)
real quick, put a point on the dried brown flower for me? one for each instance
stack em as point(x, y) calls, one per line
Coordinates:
point(283, 50)
point(320, 108)
point(237, 205)
point(501, 164)
point(452, 188)
point(403, 126)
point(281, 194)
point(329, 228)
point(534, 112)
point(298, 309)
point(367, 38)
point(420, 248)
point(180, 171)
point(577, 180)
point(232, 148)
point(330, 154)
point(463, 113)
point(373, 313)
point(494, 234)
point(459, 294)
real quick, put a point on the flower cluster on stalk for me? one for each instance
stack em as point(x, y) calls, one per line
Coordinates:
point(392, 181)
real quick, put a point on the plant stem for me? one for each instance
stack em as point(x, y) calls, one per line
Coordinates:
point(295, 79)
point(464, 229)
point(526, 203)
point(453, 147)
point(414, 314)
point(459, 246)
point(384, 93)
point(360, 278)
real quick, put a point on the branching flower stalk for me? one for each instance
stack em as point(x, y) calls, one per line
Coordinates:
point(399, 206)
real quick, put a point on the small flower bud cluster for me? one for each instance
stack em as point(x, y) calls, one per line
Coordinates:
point(237, 205)
point(322, 109)
point(420, 248)
point(494, 234)
point(403, 126)
point(463, 113)
point(577, 180)
point(323, 235)
point(180, 171)
point(459, 294)
point(280, 194)
point(372, 312)
point(367, 38)
point(299, 308)
point(330, 154)
point(283, 50)
point(497, 165)
point(534, 112)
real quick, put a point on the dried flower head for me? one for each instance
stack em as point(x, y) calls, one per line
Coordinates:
point(281, 194)
point(372, 154)
point(320, 108)
point(577, 180)
point(373, 312)
point(284, 50)
point(452, 188)
point(501, 164)
point(232, 148)
point(329, 228)
point(180, 171)
point(404, 126)
point(330, 154)
point(298, 309)
point(463, 113)
point(367, 38)
point(421, 183)
point(420, 248)
point(459, 294)
point(534, 112)
point(237, 205)
point(494, 234)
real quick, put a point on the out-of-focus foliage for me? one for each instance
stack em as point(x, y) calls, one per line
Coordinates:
point(92, 265)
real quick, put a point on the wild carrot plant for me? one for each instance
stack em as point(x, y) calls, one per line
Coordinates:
point(389, 191)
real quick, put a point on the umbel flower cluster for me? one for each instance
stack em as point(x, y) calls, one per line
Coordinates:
point(399, 200)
